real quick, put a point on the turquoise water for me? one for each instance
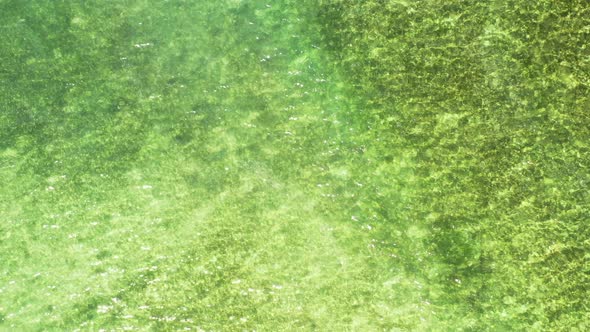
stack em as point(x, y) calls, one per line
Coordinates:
point(213, 166)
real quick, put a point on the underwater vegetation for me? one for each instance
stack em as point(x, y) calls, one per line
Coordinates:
point(492, 98)
point(294, 165)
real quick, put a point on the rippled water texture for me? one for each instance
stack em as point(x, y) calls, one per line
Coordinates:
point(292, 165)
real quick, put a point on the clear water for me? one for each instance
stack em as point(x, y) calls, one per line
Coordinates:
point(203, 165)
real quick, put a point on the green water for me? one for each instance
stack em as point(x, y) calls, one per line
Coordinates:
point(293, 165)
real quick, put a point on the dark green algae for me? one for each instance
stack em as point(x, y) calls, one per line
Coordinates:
point(492, 98)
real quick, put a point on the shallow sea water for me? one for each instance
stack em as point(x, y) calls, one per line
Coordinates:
point(190, 164)
point(205, 166)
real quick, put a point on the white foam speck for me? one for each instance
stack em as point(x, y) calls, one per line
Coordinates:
point(142, 45)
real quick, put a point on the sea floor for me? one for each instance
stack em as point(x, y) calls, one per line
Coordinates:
point(220, 166)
